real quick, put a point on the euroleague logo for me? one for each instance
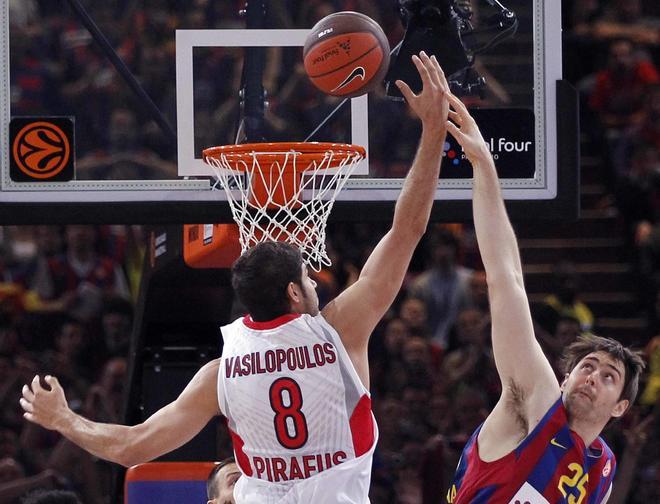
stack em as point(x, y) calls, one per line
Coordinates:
point(42, 149)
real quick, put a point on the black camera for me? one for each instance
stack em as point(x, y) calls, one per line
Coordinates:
point(444, 28)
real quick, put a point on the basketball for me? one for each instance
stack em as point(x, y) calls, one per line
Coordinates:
point(346, 54)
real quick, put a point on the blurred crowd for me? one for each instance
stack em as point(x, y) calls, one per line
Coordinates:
point(67, 294)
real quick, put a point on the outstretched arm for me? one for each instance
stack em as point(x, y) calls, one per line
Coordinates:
point(167, 429)
point(356, 311)
point(529, 385)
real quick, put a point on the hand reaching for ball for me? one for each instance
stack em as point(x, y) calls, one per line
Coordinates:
point(431, 105)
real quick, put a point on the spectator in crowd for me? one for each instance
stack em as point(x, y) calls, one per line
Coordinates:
point(627, 19)
point(70, 357)
point(444, 287)
point(104, 401)
point(564, 301)
point(414, 313)
point(472, 363)
point(116, 325)
point(77, 281)
point(620, 88)
point(14, 483)
point(650, 395)
point(567, 329)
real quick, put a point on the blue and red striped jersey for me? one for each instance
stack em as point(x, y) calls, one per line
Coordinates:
point(551, 465)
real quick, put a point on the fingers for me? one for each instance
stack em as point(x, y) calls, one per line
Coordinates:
point(432, 69)
point(405, 90)
point(52, 381)
point(27, 406)
point(454, 116)
point(27, 393)
point(439, 74)
point(36, 385)
point(455, 132)
point(422, 69)
point(458, 105)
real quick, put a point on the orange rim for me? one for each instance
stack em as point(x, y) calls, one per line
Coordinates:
point(240, 156)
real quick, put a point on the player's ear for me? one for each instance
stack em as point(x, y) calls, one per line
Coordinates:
point(563, 383)
point(293, 292)
point(620, 408)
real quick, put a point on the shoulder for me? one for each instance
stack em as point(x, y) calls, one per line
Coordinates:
point(210, 368)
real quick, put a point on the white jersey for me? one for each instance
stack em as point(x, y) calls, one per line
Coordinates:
point(299, 416)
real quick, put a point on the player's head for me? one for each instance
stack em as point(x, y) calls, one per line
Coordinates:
point(221, 481)
point(271, 280)
point(601, 378)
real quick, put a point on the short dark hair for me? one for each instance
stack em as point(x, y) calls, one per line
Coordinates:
point(51, 497)
point(211, 487)
point(261, 275)
point(631, 359)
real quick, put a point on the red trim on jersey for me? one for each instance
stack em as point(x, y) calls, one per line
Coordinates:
point(269, 324)
point(362, 426)
point(241, 458)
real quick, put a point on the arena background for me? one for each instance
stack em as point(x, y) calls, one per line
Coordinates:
point(125, 333)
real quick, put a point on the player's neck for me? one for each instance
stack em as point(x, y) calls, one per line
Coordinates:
point(587, 429)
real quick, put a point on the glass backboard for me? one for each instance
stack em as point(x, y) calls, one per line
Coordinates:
point(146, 86)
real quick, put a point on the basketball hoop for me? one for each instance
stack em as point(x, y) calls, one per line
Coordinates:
point(284, 191)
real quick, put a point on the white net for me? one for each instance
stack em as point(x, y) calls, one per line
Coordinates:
point(285, 194)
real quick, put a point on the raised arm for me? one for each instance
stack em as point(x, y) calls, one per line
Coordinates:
point(167, 429)
point(529, 385)
point(356, 311)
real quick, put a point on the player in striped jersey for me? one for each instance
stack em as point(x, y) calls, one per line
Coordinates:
point(541, 443)
point(292, 382)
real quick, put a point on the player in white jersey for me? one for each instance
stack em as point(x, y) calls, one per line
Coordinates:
point(293, 382)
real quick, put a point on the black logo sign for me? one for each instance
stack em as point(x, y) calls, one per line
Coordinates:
point(510, 136)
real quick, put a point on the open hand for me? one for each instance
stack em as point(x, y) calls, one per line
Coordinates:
point(44, 407)
point(466, 132)
point(431, 104)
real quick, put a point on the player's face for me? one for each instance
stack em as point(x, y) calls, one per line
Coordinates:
point(310, 297)
point(593, 388)
point(225, 481)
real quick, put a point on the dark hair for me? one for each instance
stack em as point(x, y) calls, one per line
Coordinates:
point(631, 359)
point(51, 497)
point(211, 487)
point(261, 275)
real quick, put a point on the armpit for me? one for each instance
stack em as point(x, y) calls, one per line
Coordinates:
point(516, 405)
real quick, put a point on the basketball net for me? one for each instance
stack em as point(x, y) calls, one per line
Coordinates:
point(284, 191)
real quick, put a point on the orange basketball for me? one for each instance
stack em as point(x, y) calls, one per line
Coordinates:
point(346, 54)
